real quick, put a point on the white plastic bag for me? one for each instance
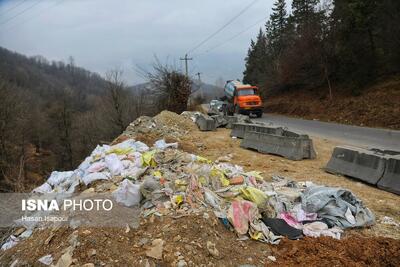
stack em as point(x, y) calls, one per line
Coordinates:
point(141, 147)
point(95, 176)
point(57, 178)
point(46, 260)
point(133, 173)
point(43, 189)
point(161, 144)
point(128, 193)
point(12, 241)
point(114, 164)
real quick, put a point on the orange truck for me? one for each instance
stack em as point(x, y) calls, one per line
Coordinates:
point(242, 99)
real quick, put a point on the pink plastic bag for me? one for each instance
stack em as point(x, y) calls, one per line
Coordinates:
point(240, 213)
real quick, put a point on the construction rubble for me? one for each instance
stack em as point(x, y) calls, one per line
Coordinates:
point(172, 188)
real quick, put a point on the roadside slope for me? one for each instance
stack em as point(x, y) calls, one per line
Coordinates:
point(377, 106)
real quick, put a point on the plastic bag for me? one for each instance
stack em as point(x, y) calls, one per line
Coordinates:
point(43, 189)
point(141, 147)
point(46, 260)
point(128, 193)
point(96, 167)
point(216, 173)
point(57, 178)
point(114, 164)
point(254, 195)
point(133, 173)
point(161, 144)
point(148, 159)
point(95, 176)
point(12, 241)
point(240, 213)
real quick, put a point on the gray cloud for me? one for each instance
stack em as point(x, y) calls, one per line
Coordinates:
point(103, 34)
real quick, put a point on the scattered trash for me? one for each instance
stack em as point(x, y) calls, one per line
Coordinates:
point(317, 229)
point(339, 206)
point(46, 260)
point(11, 241)
point(166, 181)
point(128, 193)
point(389, 221)
point(161, 144)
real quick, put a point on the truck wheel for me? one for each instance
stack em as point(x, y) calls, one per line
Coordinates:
point(259, 115)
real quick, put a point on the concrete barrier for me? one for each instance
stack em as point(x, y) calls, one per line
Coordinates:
point(283, 143)
point(231, 120)
point(365, 165)
point(391, 178)
point(239, 129)
point(220, 121)
point(205, 123)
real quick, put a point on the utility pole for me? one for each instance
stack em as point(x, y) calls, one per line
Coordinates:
point(198, 75)
point(186, 64)
point(201, 92)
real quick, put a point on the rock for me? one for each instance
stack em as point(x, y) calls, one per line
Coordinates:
point(73, 239)
point(156, 249)
point(181, 263)
point(143, 241)
point(66, 259)
point(176, 238)
point(212, 249)
point(49, 238)
point(272, 258)
point(86, 232)
point(91, 252)
point(206, 216)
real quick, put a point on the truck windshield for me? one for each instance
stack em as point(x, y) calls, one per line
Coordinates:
point(246, 92)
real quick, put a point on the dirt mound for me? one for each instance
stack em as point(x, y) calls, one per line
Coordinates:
point(185, 239)
point(377, 106)
point(352, 251)
point(165, 125)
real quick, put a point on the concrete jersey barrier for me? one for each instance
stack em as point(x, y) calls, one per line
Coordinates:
point(391, 178)
point(363, 164)
point(373, 166)
point(239, 129)
point(205, 123)
point(284, 143)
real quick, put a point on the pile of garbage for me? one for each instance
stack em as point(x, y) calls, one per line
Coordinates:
point(166, 124)
point(165, 181)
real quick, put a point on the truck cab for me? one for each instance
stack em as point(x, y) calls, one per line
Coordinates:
point(243, 99)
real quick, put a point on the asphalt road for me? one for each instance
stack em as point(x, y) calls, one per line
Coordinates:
point(346, 134)
point(352, 135)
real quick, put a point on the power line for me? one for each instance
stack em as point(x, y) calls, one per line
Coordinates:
point(20, 13)
point(15, 6)
point(38, 14)
point(234, 36)
point(223, 27)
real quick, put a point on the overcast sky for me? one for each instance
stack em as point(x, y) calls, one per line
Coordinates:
point(105, 34)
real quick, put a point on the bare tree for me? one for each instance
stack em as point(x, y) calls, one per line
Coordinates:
point(117, 101)
point(171, 88)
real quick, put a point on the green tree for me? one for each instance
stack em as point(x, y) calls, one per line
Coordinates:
point(255, 60)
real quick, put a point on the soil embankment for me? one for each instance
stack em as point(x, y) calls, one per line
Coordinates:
point(376, 106)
